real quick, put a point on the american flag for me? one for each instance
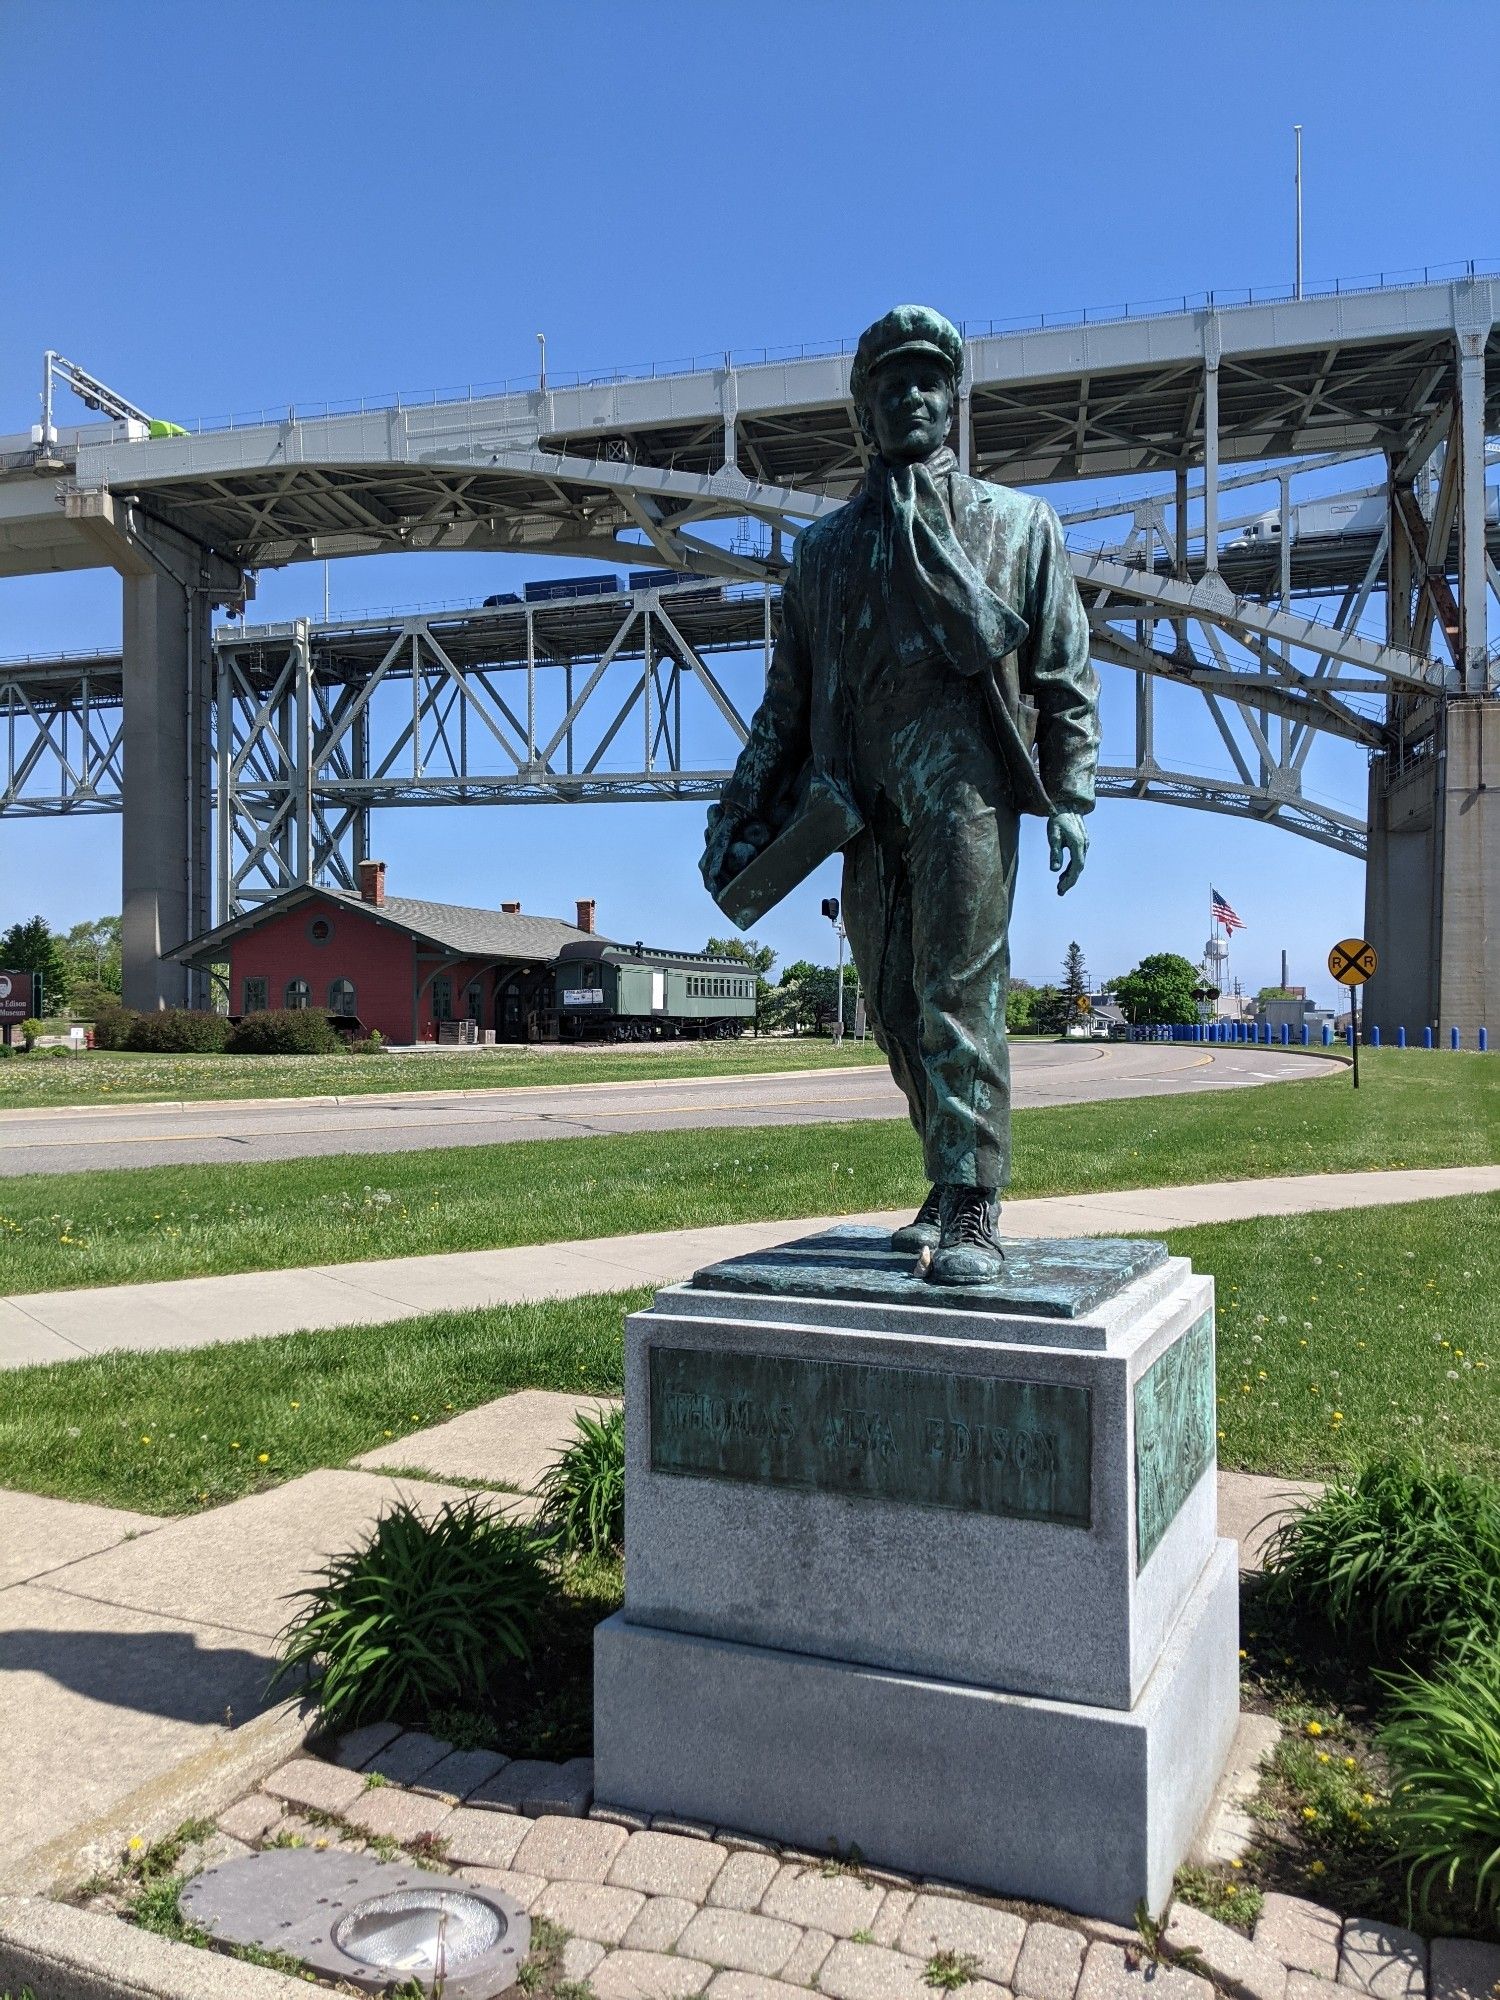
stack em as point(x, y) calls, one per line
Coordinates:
point(1224, 915)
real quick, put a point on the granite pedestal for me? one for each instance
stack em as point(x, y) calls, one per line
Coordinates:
point(932, 1573)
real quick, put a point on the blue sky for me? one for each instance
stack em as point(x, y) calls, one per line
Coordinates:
point(219, 208)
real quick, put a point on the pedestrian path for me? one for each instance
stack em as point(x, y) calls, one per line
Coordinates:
point(197, 1312)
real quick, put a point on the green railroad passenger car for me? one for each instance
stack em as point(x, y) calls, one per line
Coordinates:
point(631, 993)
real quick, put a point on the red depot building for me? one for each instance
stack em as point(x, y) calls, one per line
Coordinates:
point(391, 962)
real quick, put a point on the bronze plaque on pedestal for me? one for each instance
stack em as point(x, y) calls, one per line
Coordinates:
point(971, 1443)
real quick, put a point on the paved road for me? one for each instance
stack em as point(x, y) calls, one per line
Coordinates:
point(1045, 1073)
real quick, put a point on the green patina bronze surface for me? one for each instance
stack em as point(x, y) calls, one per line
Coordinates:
point(1052, 1278)
point(973, 1444)
point(933, 663)
point(1174, 1432)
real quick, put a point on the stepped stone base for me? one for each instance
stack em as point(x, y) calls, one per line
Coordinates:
point(1086, 1807)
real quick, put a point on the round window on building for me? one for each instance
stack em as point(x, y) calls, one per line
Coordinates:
point(298, 993)
point(341, 997)
point(320, 930)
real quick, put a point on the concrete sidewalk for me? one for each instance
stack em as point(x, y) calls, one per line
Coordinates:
point(197, 1312)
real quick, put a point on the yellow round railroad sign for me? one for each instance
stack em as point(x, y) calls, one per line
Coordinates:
point(1352, 961)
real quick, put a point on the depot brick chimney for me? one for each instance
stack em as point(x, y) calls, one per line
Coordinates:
point(510, 909)
point(586, 914)
point(372, 882)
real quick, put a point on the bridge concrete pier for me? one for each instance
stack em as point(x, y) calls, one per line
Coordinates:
point(1432, 881)
point(170, 585)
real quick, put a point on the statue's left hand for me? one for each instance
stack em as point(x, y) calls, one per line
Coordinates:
point(1065, 834)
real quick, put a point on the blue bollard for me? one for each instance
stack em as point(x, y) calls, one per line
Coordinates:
point(1375, 1037)
point(1327, 1036)
point(1401, 1038)
point(1453, 1038)
point(1306, 1035)
point(1484, 1040)
point(1286, 1034)
point(1427, 1038)
point(1349, 1034)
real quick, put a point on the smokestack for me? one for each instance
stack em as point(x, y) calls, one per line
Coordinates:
point(372, 882)
point(1283, 971)
point(586, 914)
point(510, 909)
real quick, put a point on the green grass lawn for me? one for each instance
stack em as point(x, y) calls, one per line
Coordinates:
point(1390, 1342)
point(107, 1077)
point(133, 1224)
point(164, 1433)
point(1345, 1336)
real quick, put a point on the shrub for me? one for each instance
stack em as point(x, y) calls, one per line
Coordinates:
point(178, 1031)
point(583, 1492)
point(1400, 1564)
point(89, 997)
point(283, 1031)
point(1442, 1740)
point(420, 1618)
point(112, 1025)
point(30, 1029)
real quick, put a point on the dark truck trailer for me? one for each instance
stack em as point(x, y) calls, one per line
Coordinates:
point(602, 584)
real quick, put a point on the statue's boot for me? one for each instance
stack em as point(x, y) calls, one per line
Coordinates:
point(968, 1251)
point(924, 1229)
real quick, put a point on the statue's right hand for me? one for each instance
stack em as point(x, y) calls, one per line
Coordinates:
point(732, 842)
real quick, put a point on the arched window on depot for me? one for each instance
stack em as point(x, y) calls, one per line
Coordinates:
point(341, 997)
point(298, 993)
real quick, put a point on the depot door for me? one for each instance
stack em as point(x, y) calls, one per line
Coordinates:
point(510, 1010)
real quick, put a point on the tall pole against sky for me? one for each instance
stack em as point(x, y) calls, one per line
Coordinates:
point(1297, 129)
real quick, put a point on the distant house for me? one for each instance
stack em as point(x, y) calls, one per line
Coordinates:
point(391, 962)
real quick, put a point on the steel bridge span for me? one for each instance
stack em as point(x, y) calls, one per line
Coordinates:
point(1380, 637)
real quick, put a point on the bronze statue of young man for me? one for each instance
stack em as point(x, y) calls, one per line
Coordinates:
point(931, 631)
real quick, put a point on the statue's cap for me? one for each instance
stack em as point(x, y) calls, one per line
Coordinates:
point(905, 330)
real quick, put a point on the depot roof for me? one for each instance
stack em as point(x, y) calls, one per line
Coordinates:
point(454, 928)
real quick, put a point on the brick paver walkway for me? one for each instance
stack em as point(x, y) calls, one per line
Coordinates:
point(667, 1910)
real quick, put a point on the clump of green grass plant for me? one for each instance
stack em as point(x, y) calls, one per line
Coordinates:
point(1234, 1902)
point(422, 1616)
point(583, 1491)
point(947, 1971)
point(1442, 1740)
point(1400, 1562)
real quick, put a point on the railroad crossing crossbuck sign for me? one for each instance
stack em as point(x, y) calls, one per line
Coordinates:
point(1352, 961)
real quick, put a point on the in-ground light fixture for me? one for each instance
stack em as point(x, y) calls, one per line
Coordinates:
point(369, 1922)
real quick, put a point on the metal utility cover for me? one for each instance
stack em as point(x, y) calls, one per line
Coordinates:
point(294, 1899)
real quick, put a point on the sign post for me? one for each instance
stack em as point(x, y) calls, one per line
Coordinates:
point(1352, 961)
